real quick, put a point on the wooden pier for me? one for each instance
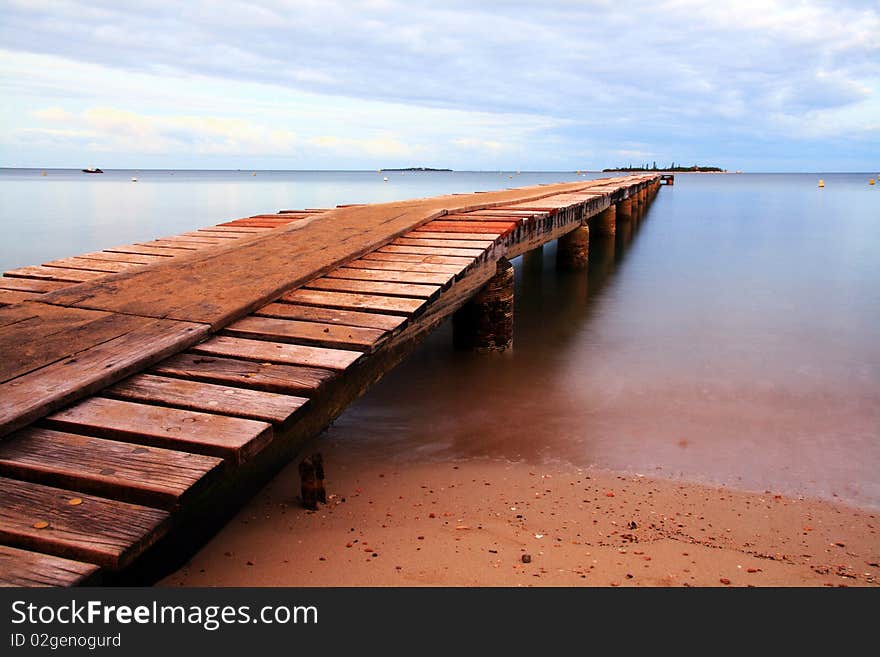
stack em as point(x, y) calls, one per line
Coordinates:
point(142, 385)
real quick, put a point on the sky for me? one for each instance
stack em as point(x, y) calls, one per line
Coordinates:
point(469, 85)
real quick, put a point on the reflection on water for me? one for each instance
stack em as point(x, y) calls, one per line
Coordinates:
point(730, 336)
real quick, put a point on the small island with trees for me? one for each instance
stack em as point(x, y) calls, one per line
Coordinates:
point(672, 167)
point(416, 169)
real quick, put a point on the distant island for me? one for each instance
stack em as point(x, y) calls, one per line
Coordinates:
point(416, 169)
point(671, 167)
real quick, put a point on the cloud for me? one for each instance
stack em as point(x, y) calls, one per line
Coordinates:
point(565, 78)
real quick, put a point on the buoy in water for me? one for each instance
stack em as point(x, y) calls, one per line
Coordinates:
point(821, 183)
point(385, 179)
point(43, 173)
point(871, 181)
point(134, 179)
point(254, 173)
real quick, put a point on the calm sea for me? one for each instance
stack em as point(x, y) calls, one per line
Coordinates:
point(732, 338)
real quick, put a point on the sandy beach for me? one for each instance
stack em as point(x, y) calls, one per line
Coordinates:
point(481, 522)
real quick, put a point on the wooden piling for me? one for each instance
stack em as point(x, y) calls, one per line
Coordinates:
point(485, 323)
point(573, 249)
point(625, 210)
point(604, 223)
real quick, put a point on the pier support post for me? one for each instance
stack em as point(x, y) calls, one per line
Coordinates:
point(485, 323)
point(573, 250)
point(625, 209)
point(604, 223)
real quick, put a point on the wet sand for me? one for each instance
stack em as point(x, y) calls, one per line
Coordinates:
point(472, 522)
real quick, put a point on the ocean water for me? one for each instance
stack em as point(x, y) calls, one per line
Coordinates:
point(732, 337)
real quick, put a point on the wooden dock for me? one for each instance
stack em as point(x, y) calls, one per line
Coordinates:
point(141, 385)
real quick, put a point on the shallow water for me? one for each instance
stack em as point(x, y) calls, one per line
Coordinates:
point(731, 338)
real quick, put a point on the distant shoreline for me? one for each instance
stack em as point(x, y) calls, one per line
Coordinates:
point(416, 169)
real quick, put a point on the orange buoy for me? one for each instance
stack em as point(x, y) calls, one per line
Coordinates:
point(821, 183)
point(871, 181)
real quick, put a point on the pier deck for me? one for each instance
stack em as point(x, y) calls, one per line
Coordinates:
point(141, 383)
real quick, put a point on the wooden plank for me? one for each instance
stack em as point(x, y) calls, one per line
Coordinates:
point(253, 224)
point(142, 249)
point(79, 363)
point(101, 531)
point(233, 230)
point(413, 239)
point(430, 250)
point(375, 287)
point(30, 569)
point(467, 227)
point(426, 233)
point(174, 245)
point(8, 297)
point(207, 397)
point(311, 333)
point(272, 377)
point(416, 258)
point(216, 238)
point(356, 273)
point(331, 316)
point(30, 284)
point(230, 438)
point(278, 352)
point(401, 266)
point(348, 301)
point(195, 241)
point(92, 265)
point(486, 219)
point(54, 274)
point(134, 258)
point(39, 330)
point(142, 475)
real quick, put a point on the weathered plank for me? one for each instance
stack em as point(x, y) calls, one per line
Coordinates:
point(331, 316)
point(141, 249)
point(132, 473)
point(101, 531)
point(416, 257)
point(426, 233)
point(134, 258)
point(230, 438)
point(487, 219)
point(278, 352)
point(471, 227)
point(272, 377)
point(65, 354)
point(430, 250)
point(174, 245)
point(393, 264)
point(349, 301)
point(30, 284)
point(413, 239)
point(207, 397)
point(232, 230)
point(195, 241)
point(32, 569)
point(8, 297)
point(49, 333)
point(310, 333)
point(384, 288)
point(54, 274)
point(216, 238)
point(355, 273)
point(89, 264)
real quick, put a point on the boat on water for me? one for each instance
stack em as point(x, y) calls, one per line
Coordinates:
point(92, 170)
